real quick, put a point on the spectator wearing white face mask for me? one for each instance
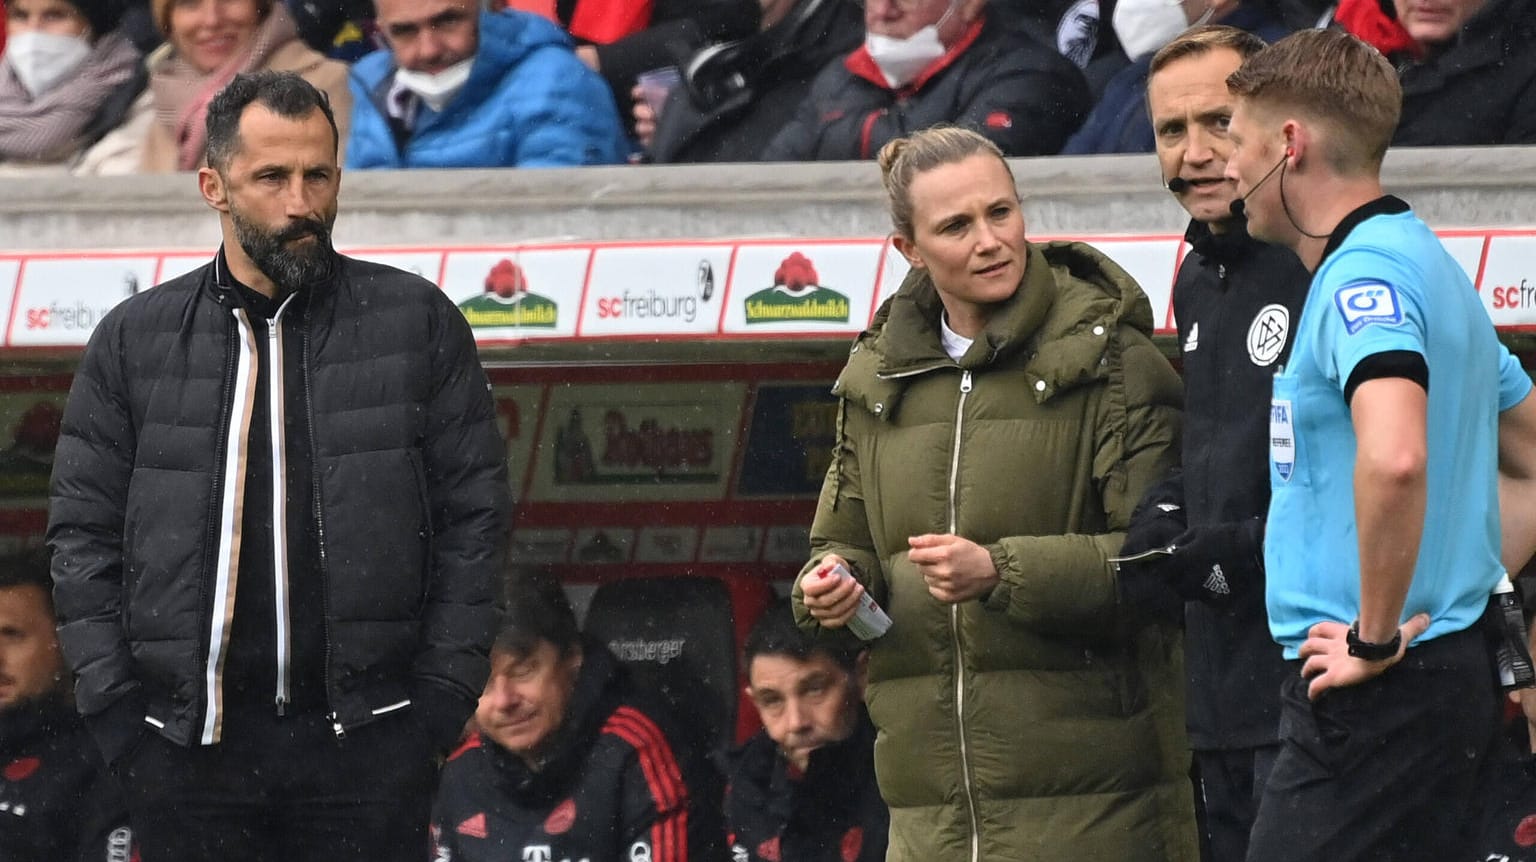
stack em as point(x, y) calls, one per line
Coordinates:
point(67, 77)
point(930, 62)
point(459, 87)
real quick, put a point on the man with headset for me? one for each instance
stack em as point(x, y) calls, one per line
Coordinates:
point(1384, 475)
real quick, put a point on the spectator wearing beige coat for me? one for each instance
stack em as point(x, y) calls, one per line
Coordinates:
point(208, 42)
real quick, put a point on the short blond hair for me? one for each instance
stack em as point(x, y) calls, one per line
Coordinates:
point(1202, 40)
point(1335, 79)
point(902, 159)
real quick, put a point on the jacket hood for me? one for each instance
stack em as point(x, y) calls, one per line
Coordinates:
point(505, 39)
point(1071, 294)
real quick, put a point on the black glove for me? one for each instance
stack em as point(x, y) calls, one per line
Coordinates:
point(1213, 563)
point(1156, 527)
point(1157, 520)
point(1147, 594)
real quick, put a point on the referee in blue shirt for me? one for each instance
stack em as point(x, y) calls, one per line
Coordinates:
point(1383, 527)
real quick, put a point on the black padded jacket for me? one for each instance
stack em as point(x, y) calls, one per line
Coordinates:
point(1480, 89)
point(1020, 94)
point(1237, 301)
point(832, 813)
point(409, 501)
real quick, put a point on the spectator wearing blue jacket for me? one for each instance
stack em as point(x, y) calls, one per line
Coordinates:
point(1119, 122)
point(461, 88)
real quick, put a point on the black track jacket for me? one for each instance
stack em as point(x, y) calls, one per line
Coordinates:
point(618, 785)
point(57, 803)
point(1237, 301)
point(833, 813)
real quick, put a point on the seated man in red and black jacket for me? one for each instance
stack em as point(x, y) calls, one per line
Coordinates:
point(930, 62)
point(57, 802)
point(570, 760)
point(803, 789)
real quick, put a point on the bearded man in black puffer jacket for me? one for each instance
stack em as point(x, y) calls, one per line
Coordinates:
point(314, 435)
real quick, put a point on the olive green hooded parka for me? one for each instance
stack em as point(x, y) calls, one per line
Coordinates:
point(1041, 722)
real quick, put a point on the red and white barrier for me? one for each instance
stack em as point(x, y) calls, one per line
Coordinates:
point(685, 289)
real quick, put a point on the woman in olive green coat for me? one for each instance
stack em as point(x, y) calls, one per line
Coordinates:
point(997, 424)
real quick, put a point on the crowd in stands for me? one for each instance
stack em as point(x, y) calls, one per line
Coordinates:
point(97, 87)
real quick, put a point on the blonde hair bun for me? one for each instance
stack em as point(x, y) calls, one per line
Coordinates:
point(902, 159)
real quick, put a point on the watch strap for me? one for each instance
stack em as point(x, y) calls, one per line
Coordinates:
point(1368, 651)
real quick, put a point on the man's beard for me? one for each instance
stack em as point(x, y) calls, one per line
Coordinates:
point(290, 268)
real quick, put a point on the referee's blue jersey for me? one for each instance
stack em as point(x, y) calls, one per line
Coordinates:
point(1388, 286)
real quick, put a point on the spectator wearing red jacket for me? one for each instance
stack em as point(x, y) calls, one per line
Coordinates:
point(930, 62)
point(1467, 67)
point(1375, 24)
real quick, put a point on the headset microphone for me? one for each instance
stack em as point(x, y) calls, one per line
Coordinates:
point(1177, 185)
point(1240, 205)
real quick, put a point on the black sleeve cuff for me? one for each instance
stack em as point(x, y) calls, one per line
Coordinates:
point(1389, 363)
point(1252, 536)
point(119, 727)
point(442, 715)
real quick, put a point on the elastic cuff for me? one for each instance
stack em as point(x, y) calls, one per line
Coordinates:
point(996, 599)
point(119, 727)
point(1253, 532)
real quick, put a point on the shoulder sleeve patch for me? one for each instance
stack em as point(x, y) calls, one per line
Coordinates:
point(1362, 303)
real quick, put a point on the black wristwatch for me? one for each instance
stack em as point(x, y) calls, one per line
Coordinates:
point(1368, 651)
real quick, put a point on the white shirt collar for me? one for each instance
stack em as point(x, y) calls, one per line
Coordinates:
point(954, 343)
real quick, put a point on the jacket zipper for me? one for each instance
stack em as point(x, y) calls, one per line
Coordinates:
point(1219, 342)
point(277, 440)
point(954, 625)
point(210, 547)
point(226, 567)
point(314, 484)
